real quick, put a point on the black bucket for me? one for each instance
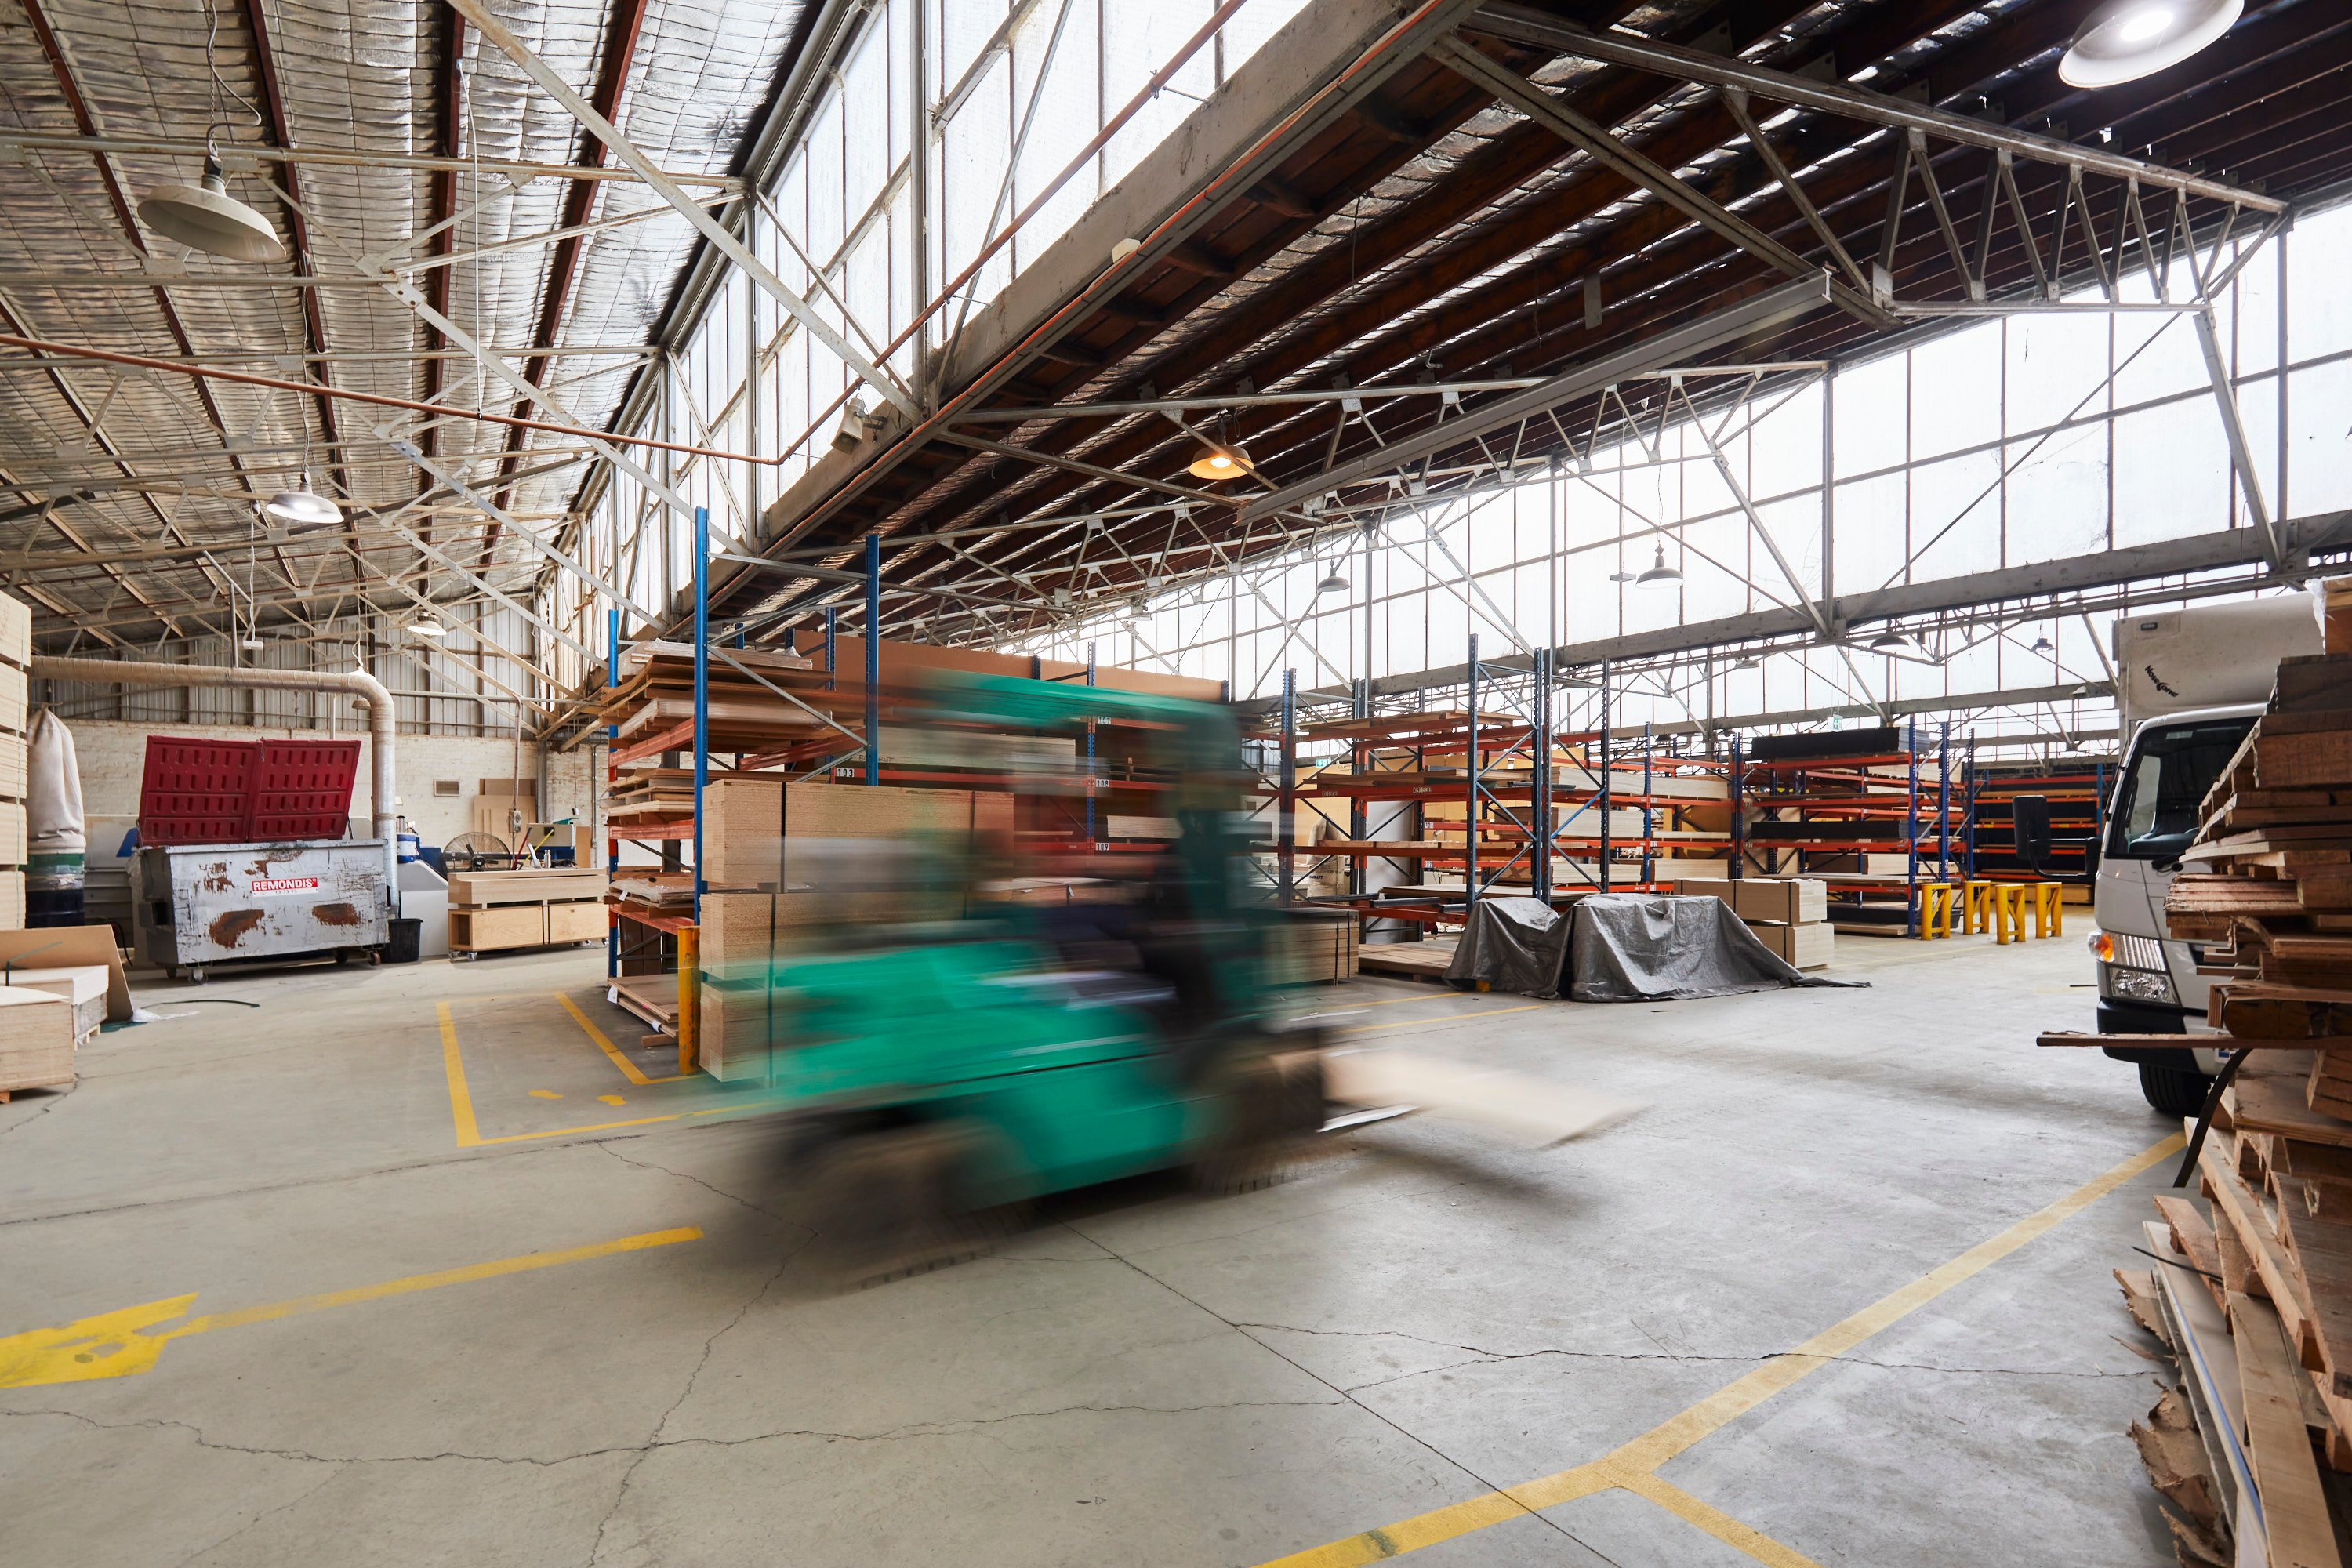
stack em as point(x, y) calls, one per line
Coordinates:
point(407, 936)
point(45, 907)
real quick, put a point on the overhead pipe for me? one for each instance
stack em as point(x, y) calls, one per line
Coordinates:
point(366, 688)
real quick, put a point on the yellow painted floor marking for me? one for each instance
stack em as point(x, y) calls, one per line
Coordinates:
point(116, 1343)
point(1632, 1466)
point(461, 1099)
point(611, 1100)
point(545, 1094)
point(629, 1069)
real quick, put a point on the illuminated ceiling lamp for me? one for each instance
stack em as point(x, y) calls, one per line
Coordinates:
point(427, 628)
point(1218, 463)
point(2127, 39)
point(2040, 645)
point(206, 217)
point(1658, 574)
point(303, 505)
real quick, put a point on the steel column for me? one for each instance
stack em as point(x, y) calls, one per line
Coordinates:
point(611, 839)
point(873, 659)
point(701, 707)
point(1470, 813)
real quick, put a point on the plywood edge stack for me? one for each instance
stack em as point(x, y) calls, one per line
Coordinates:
point(15, 685)
point(39, 1034)
point(1315, 944)
point(1790, 915)
point(508, 911)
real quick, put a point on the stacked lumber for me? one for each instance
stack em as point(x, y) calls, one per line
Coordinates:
point(83, 987)
point(2253, 1295)
point(2265, 889)
point(15, 664)
point(502, 912)
point(655, 695)
point(2335, 613)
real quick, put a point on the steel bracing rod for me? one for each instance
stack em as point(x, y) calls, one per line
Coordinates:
point(246, 156)
point(417, 543)
point(1734, 102)
point(1521, 24)
point(1771, 308)
point(695, 213)
point(1073, 465)
point(1813, 610)
point(1597, 142)
point(520, 242)
point(448, 476)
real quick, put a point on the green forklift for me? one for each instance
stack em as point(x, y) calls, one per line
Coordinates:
point(948, 1072)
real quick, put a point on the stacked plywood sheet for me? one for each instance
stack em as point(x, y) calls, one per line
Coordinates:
point(747, 818)
point(1315, 944)
point(494, 911)
point(83, 986)
point(15, 660)
point(1787, 914)
point(37, 1040)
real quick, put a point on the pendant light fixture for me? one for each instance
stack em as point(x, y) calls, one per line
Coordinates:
point(2040, 645)
point(1658, 574)
point(427, 628)
point(205, 217)
point(303, 505)
point(2127, 39)
point(1892, 641)
point(1218, 463)
point(1333, 582)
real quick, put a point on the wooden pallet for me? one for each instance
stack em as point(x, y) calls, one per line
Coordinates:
point(1427, 960)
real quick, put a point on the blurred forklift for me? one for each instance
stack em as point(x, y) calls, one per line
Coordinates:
point(964, 1049)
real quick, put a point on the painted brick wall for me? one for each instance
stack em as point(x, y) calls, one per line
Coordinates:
point(113, 754)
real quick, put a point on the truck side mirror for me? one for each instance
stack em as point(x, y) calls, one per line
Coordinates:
point(2029, 820)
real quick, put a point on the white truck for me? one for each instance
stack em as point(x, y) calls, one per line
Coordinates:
point(2190, 683)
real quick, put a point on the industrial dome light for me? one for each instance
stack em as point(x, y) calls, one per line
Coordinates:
point(2127, 39)
point(1891, 641)
point(1332, 584)
point(427, 628)
point(1217, 464)
point(303, 505)
point(2040, 645)
point(1658, 574)
point(206, 217)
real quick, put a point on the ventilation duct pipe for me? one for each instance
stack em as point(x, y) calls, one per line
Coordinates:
point(366, 688)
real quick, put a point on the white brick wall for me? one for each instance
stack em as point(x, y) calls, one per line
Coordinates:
point(113, 756)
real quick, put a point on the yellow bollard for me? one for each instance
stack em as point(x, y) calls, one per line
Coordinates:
point(690, 998)
point(2008, 912)
point(1976, 918)
point(2049, 908)
point(1934, 910)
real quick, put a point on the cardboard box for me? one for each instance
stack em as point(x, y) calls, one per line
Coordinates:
point(1807, 946)
point(1791, 901)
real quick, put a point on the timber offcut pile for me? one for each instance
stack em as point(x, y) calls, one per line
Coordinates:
point(2254, 1290)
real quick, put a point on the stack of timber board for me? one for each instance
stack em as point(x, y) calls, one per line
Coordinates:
point(502, 912)
point(656, 694)
point(2335, 608)
point(15, 662)
point(1315, 945)
point(758, 906)
point(1787, 914)
point(2265, 890)
point(37, 1040)
point(83, 986)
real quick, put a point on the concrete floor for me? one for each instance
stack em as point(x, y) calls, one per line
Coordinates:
point(1420, 1315)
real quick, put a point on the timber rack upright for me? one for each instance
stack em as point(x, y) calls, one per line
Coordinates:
point(1490, 798)
point(1839, 804)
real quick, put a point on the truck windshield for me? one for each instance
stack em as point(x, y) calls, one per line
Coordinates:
point(2154, 817)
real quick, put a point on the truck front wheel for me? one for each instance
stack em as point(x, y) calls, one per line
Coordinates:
point(2175, 1091)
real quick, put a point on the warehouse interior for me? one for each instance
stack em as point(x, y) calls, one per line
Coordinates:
point(1262, 783)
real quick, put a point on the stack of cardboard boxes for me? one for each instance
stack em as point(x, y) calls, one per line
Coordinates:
point(1789, 914)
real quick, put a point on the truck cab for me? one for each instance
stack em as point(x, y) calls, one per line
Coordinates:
point(2190, 683)
point(2149, 982)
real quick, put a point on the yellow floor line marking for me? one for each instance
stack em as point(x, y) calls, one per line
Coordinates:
point(1716, 1522)
point(1632, 1466)
point(545, 1094)
point(461, 1099)
point(115, 1344)
point(629, 1069)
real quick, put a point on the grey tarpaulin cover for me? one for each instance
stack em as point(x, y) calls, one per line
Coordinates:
point(1513, 944)
point(1645, 947)
point(1626, 947)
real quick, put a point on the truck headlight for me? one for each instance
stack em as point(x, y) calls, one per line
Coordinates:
point(2137, 984)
